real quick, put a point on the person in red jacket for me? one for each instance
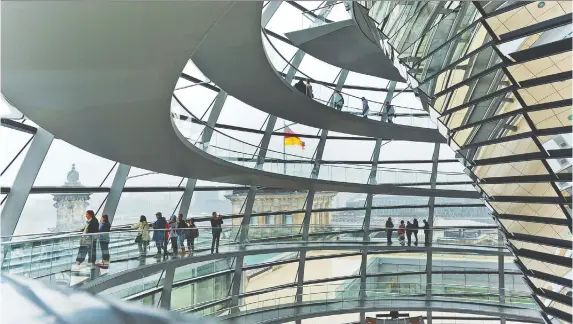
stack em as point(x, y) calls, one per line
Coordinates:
point(167, 227)
point(401, 232)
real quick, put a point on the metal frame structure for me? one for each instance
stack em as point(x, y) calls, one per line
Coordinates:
point(502, 89)
point(519, 243)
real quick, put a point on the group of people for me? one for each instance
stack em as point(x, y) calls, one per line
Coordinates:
point(406, 231)
point(88, 242)
point(388, 112)
point(176, 231)
point(305, 88)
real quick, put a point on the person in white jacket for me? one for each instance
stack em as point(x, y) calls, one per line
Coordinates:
point(142, 238)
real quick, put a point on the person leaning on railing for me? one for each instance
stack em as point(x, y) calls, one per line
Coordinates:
point(87, 241)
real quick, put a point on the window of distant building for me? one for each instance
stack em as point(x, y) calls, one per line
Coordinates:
point(271, 220)
point(287, 219)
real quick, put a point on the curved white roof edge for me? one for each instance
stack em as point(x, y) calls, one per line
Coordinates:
point(234, 58)
point(104, 83)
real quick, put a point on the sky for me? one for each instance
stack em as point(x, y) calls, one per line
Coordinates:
point(93, 169)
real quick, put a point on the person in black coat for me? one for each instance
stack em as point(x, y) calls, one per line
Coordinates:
point(88, 242)
point(415, 225)
point(300, 86)
point(409, 231)
point(389, 226)
point(216, 229)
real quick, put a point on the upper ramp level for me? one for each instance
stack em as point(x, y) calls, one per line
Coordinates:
point(233, 57)
point(350, 44)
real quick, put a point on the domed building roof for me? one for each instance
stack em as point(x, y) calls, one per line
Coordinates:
point(73, 178)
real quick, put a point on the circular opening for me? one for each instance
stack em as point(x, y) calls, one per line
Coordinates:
point(541, 4)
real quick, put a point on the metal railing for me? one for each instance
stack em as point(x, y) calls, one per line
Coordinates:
point(53, 259)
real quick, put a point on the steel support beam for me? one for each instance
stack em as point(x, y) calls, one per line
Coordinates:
point(115, 191)
point(267, 14)
point(187, 197)
point(269, 11)
point(213, 117)
point(166, 291)
point(206, 139)
point(368, 212)
point(310, 198)
point(302, 254)
point(16, 199)
point(431, 203)
point(501, 275)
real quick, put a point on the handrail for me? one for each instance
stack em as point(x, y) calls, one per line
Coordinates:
point(320, 82)
point(124, 229)
point(185, 282)
point(257, 147)
point(340, 289)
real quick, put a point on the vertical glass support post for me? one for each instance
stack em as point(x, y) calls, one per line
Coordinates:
point(115, 191)
point(16, 199)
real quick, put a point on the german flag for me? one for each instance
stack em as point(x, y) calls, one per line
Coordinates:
point(292, 140)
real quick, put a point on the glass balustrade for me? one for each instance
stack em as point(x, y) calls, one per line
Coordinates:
point(245, 154)
point(279, 300)
point(353, 104)
point(53, 259)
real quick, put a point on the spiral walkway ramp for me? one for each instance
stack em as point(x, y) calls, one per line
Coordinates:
point(120, 91)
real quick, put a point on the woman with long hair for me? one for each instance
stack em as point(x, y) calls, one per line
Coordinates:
point(142, 238)
point(104, 227)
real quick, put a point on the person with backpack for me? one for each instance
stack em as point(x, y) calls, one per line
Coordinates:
point(192, 233)
point(173, 235)
point(160, 234)
point(104, 227)
point(142, 237)
point(337, 100)
point(182, 231)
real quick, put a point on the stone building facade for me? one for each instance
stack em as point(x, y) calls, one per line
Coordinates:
point(70, 207)
point(282, 200)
